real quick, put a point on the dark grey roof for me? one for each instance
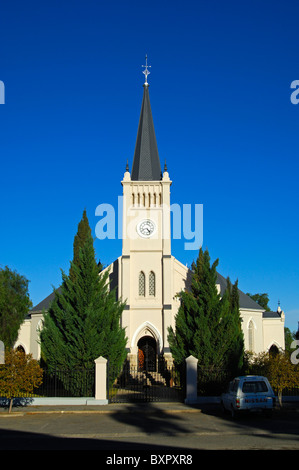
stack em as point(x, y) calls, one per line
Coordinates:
point(244, 300)
point(146, 162)
point(271, 315)
point(44, 304)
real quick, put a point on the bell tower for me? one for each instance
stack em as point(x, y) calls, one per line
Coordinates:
point(145, 265)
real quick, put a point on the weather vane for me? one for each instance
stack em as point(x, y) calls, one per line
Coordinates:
point(146, 71)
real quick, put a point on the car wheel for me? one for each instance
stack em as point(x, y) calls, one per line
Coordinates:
point(223, 409)
point(234, 413)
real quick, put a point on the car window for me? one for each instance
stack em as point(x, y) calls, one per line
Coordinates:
point(254, 387)
point(235, 385)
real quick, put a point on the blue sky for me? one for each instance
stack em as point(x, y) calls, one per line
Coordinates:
point(220, 95)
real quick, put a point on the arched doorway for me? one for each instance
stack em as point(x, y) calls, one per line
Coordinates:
point(147, 353)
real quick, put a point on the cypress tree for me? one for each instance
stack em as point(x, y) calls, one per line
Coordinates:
point(83, 321)
point(198, 315)
point(83, 233)
point(208, 326)
point(234, 339)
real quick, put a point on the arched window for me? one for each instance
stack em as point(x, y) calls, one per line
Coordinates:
point(141, 286)
point(152, 284)
point(273, 351)
point(21, 349)
point(251, 336)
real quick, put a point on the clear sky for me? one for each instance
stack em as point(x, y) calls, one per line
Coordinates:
point(220, 94)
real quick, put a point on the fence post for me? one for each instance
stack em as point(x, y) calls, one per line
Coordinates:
point(191, 379)
point(101, 378)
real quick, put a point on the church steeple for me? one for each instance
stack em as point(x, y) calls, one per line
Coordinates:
point(146, 162)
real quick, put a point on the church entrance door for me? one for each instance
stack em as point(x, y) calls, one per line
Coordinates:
point(147, 354)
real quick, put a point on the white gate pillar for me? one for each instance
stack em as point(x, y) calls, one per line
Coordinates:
point(191, 379)
point(101, 379)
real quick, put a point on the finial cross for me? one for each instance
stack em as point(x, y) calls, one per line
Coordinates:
point(146, 71)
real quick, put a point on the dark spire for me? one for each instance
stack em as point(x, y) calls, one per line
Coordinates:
point(146, 163)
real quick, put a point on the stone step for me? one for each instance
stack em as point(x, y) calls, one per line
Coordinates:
point(148, 378)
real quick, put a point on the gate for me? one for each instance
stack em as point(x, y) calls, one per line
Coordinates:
point(133, 384)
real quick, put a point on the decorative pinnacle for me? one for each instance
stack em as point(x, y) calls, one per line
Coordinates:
point(146, 71)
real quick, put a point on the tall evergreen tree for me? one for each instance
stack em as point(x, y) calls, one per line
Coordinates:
point(197, 314)
point(206, 325)
point(83, 234)
point(233, 341)
point(83, 321)
point(14, 304)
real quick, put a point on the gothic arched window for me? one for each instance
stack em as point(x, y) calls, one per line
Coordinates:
point(141, 286)
point(152, 284)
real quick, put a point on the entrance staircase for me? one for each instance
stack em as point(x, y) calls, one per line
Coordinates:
point(148, 378)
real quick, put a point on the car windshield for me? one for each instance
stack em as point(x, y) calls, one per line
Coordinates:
point(254, 387)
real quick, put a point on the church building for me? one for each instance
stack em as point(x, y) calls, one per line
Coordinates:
point(146, 275)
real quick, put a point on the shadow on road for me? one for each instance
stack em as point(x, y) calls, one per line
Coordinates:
point(16, 440)
point(283, 420)
point(149, 419)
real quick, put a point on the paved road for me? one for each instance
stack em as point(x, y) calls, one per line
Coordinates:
point(155, 428)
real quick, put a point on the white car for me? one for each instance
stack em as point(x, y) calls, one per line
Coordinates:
point(248, 393)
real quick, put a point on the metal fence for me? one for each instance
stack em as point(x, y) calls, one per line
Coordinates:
point(66, 383)
point(212, 381)
point(135, 384)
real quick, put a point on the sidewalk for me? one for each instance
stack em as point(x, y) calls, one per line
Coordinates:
point(137, 408)
point(146, 408)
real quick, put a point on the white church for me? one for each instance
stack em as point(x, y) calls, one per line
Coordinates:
point(146, 274)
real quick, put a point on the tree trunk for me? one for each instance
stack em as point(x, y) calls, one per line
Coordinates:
point(10, 405)
point(280, 398)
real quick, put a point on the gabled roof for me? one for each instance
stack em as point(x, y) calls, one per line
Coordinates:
point(44, 304)
point(146, 162)
point(244, 300)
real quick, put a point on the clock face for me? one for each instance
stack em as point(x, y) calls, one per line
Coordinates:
point(146, 228)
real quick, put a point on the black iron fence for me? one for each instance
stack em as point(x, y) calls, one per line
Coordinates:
point(66, 383)
point(129, 383)
point(135, 384)
point(212, 381)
